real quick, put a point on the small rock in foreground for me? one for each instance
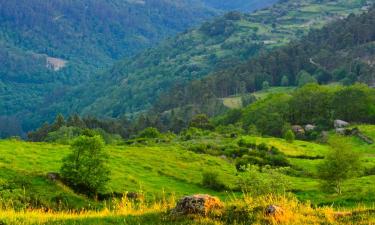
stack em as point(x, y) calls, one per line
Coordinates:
point(197, 204)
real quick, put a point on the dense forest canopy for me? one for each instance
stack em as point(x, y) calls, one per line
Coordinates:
point(240, 5)
point(340, 52)
point(48, 47)
point(134, 84)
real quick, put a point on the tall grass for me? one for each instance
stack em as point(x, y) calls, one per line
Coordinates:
point(239, 210)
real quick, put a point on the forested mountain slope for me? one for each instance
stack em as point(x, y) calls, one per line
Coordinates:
point(239, 5)
point(46, 47)
point(343, 51)
point(133, 84)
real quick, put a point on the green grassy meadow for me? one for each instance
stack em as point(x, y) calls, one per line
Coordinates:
point(165, 171)
point(170, 168)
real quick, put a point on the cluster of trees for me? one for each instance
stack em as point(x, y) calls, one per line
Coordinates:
point(273, 115)
point(112, 130)
point(318, 57)
point(311, 104)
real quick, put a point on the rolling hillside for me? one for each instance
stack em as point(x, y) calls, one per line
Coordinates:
point(134, 84)
point(342, 51)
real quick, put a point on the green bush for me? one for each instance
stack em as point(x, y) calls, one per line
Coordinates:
point(370, 171)
point(149, 132)
point(247, 144)
point(289, 136)
point(261, 155)
point(211, 180)
point(201, 121)
point(63, 135)
point(256, 181)
point(246, 160)
point(231, 130)
point(198, 148)
point(191, 133)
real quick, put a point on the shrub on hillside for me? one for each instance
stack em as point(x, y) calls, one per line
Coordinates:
point(231, 130)
point(198, 148)
point(289, 136)
point(191, 133)
point(149, 132)
point(370, 171)
point(260, 155)
point(246, 160)
point(246, 143)
point(201, 121)
point(211, 180)
point(257, 181)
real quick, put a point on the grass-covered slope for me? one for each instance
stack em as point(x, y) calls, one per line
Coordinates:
point(133, 84)
point(152, 170)
point(159, 170)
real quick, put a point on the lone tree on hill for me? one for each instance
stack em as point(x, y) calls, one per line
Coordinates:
point(289, 136)
point(340, 165)
point(201, 121)
point(85, 168)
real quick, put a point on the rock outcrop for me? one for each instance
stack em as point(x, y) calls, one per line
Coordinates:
point(197, 204)
point(340, 124)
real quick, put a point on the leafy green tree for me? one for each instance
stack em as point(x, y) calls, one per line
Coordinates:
point(289, 136)
point(265, 85)
point(285, 81)
point(339, 73)
point(40, 134)
point(305, 78)
point(85, 169)
point(248, 99)
point(268, 115)
point(271, 124)
point(354, 103)
point(310, 104)
point(339, 165)
point(252, 130)
point(64, 135)
point(59, 122)
point(201, 121)
point(149, 132)
point(75, 121)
